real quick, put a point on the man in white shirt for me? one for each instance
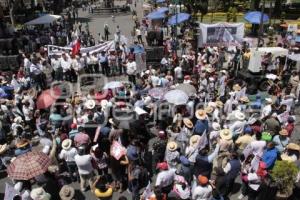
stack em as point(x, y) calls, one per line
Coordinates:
point(131, 70)
point(178, 72)
point(165, 177)
point(203, 191)
point(138, 34)
point(65, 63)
point(58, 71)
point(267, 109)
point(85, 168)
point(68, 153)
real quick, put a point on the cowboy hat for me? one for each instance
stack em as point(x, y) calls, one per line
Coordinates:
point(172, 146)
point(245, 99)
point(188, 123)
point(66, 144)
point(209, 109)
point(226, 134)
point(216, 126)
point(39, 194)
point(293, 146)
point(200, 114)
point(194, 140)
point(269, 100)
point(22, 143)
point(219, 104)
point(236, 87)
point(90, 104)
point(18, 120)
point(239, 116)
point(3, 148)
point(283, 132)
point(67, 193)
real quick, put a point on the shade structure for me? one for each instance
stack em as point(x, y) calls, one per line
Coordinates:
point(28, 166)
point(156, 15)
point(179, 18)
point(187, 88)
point(48, 98)
point(176, 97)
point(162, 9)
point(254, 17)
point(157, 93)
point(46, 19)
point(113, 85)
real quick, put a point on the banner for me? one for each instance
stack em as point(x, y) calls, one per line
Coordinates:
point(117, 150)
point(224, 34)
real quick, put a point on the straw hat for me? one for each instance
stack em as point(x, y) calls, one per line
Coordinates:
point(269, 100)
point(219, 104)
point(90, 104)
point(236, 87)
point(283, 132)
point(240, 116)
point(209, 109)
point(226, 134)
point(22, 143)
point(245, 99)
point(194, 140)
point(293, 146)
point(200, 114)
point(188, 123)
point(66, 144)
point(39, 194)
point(3, 148)
point(172, 146)
point(67, 193)
point(286, 157)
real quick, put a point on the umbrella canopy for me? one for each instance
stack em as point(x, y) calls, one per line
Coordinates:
point(46, 19)
point(162, 9)
point(176, 97)
point(28, 165)
point(48, 97)
point(137, 49)
point(179, 18)
point(254, 17)
point(156, 15)
point(187, 88)
point(113, 85)
point(157, 93)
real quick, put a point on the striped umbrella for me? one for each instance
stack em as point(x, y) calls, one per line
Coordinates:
point(28, 166)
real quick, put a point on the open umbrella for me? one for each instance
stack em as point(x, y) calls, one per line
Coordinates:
point(179, 18)
point(28, 166)
point(156, 15)
point(254, 17)
point(113, 85)
point(48, 97)
point(187, 88)
point(157, 93)
point(176, 97)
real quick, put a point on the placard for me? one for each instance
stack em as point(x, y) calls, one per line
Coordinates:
point(117, 150)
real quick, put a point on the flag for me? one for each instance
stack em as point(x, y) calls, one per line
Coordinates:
point(76, 47)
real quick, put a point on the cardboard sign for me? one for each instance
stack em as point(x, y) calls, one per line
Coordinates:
point(117, 150)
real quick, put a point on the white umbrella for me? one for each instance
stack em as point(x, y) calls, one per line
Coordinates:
point(113, 85)
point(176, 97)
point(45, 19)
point(187, 88)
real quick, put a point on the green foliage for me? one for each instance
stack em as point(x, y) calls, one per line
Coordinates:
point(284, 174)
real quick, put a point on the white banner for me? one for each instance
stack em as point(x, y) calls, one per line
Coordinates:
point(224, 34)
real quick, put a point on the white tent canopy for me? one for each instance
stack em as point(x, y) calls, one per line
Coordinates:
point(45, 19)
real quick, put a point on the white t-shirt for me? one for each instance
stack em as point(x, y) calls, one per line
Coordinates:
point(131, 68)
point(165, 178)
point(84, 164)
point(178, 72)
point(202, 193)
point(66, 64)
point(68, 155)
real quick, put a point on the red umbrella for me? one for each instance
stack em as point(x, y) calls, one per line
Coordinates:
point(48, 97)
point(28, 166)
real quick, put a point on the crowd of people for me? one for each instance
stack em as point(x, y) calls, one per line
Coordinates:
point(131, 137)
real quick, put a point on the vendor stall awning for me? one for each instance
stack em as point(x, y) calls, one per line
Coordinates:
point(46, 19)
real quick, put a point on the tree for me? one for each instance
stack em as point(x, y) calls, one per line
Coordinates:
point(195, 6)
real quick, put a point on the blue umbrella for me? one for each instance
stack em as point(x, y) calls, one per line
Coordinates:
point(160, 1)
point(254, 17)
point(179, 18)
point(156, 15)
point(137, 49)
point(162, 9)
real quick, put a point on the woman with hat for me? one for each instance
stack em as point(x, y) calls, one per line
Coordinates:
point(172, 155)
point(68, 154)
point(226, 142)
point(187, 127)
point(281, 140)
